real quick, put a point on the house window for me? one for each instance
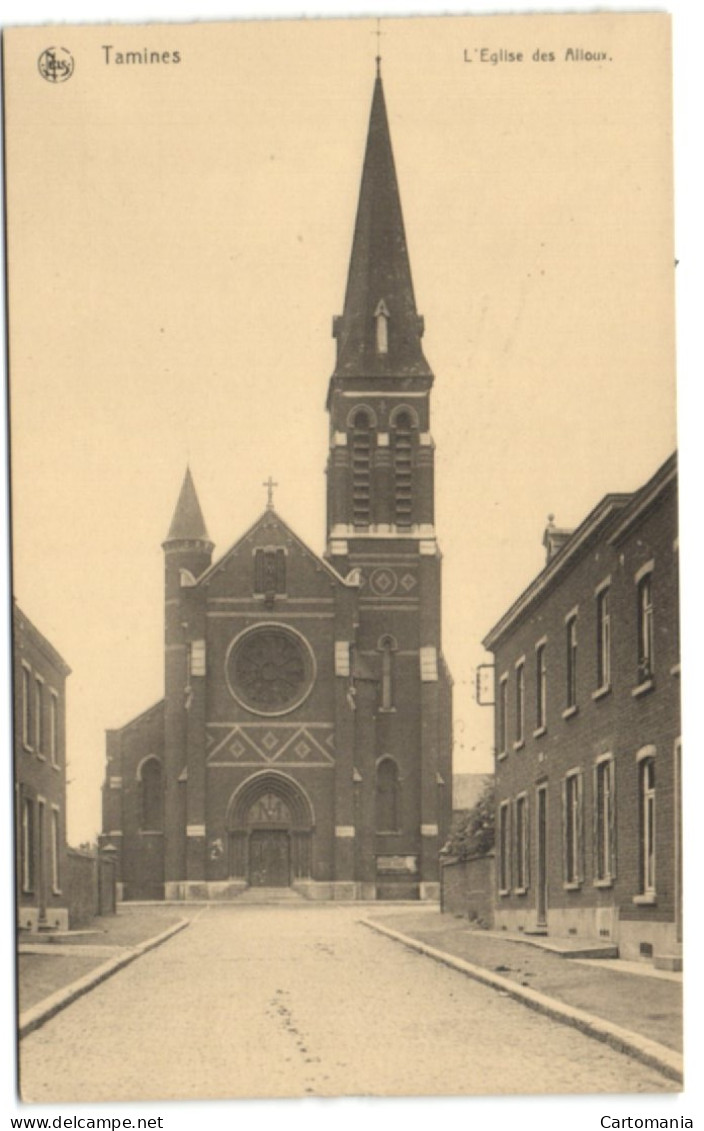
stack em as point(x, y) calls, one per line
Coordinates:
point(645, 627)
point(647, 825)
point(403, 469)
point(27, 845)
point(388, 808)
point(604, 821)
point(39, 716)
point(27, 708)
point(504, 848)
point(520, 701)
point(572, 826)
point(361, 449)
point(55, 852)
point(152, 797)
point(502, 717)
point(571, 662)
point(270, 571)
point(54, 728)
point(521, 840)
point(541, 687)
point(603, 639)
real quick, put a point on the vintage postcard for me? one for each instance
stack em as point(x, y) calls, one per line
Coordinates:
point(345, 558)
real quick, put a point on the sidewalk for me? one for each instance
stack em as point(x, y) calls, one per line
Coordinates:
point(649, 1007)
point(45, 968)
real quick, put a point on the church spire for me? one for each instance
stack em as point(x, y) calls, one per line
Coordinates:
point(379, 331)
point(187, 524)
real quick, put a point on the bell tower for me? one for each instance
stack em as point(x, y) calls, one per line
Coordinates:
point(381, 454)
point(380, 521)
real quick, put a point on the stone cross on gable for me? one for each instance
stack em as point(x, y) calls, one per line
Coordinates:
point(269, 484)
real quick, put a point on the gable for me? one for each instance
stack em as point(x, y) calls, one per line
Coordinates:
point(270, 555)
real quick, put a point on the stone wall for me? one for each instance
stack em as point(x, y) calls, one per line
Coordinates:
point(91, 886)
point(467, 888)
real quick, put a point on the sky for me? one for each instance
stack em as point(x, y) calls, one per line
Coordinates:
point(98, 596)
point(178, 244)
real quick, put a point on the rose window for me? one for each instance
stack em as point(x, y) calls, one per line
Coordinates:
point(270, 670)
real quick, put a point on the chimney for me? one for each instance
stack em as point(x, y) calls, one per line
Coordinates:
point(554, 538)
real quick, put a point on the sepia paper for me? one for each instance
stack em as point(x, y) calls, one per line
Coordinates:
point(181, 201)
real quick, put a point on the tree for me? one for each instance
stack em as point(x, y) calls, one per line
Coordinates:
point(472, 833)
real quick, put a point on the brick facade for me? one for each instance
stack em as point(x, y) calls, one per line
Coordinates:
point(304, 737)
point(39, 707)
point(603, 858)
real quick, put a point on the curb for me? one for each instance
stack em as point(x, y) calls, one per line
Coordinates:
point(32, 1018)
point(651, 1053)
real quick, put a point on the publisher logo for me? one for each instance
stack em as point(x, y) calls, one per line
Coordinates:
point(56, 64)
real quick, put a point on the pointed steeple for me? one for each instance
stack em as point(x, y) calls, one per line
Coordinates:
point(188, 524)
point(379, 331)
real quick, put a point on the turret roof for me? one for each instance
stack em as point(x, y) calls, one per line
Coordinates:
point(187, 523)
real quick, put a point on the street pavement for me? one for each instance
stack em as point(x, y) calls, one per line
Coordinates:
point(303, 1000)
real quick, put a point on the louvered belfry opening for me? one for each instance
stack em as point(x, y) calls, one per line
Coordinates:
point(403, 470)
point(361, 469)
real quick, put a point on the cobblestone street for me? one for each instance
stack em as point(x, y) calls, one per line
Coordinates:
point(267, 1001)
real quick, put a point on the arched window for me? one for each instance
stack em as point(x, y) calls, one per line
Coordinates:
point(387, 646)
point(361, 448)
point(388, 797)
point(403, 469)
point(151, 796)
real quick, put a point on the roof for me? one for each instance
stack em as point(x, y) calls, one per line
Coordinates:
point(22, 624)
point(644, 498)
point(595, 521)
point(625, 507)
point(187, 524)
point(140, 718)
point(267, 516)
point(379, 283)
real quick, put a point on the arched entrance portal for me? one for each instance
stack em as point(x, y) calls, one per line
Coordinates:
point(270, 827)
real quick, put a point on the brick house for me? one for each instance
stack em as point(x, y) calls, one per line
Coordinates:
point(588, 745)
point(39, 708)
point(304, 738)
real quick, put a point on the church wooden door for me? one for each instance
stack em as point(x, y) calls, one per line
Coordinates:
point(269, 858)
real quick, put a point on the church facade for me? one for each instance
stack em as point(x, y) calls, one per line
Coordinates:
point(305, 734)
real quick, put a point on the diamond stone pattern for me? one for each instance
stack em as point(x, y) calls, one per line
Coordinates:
point(383, 581)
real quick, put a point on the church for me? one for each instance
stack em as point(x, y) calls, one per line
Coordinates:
point(305, 735)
